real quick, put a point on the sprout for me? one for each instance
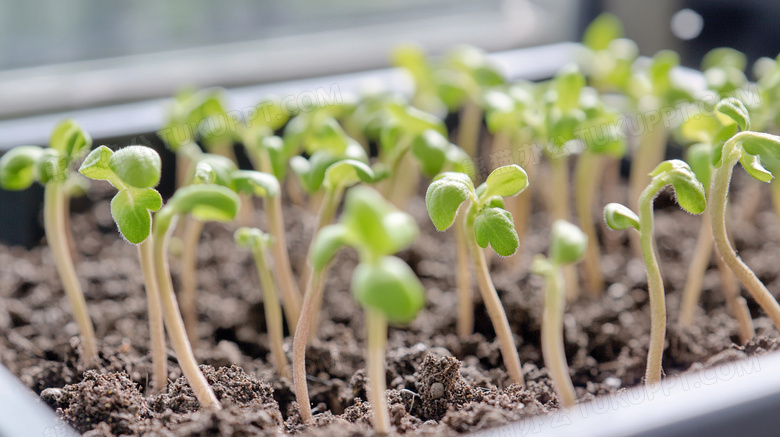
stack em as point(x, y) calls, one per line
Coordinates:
point(567, 246)
point(691, 197)
point(384, 285)
point(486, 223)
point(609, 57)
point(134, 171)
point(19, 168)
point(259, 242)
point(203, 202)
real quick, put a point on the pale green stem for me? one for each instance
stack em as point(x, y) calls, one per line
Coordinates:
point(273, 312)
point(300, 340)
point(465, 323)
point(291, 298)
point(736, 303)
point(649, 153)
point(154, 306)
point(559, 210)
point(588, 174)
point(470, 124)
point(54, 224)
point(188, 276)
point(376, 341)
point(552, 337)
point(775, 190)
point(696, 271)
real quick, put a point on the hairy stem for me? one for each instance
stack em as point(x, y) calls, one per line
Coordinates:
point(291, 298)
point(314, 288)
point(273, 312)
point(154, 306)
point(655, 284)
point(735, 302)
point(587, 176)
point(552, 338)
point(174, 323)
point(188, 276)
point(465, 323)
point(649, 153)
point(54, 224)
point(696, 271)
point(376, 341)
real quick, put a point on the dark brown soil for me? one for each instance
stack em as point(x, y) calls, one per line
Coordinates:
point(438, 384)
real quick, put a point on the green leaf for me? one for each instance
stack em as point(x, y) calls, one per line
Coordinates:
point(601, 31)
point(690, 192)
point(327, 136)
point(506, 181)
point(460, 161)
point(735, 110)
point(375, 225)
point(205, 202)
point(699, 157)
point(619, 217)
point(327, 243)
point(723, 135)
point(256, 183)
point(348, 172)
point(131, 209)
point(18, 167)
point(252, 238)
point(568, 243)
point(222, 167)
point(390, 286)
point(495, 226)
point(723, 57)
point(660, 70)
point(430, 149)
point(761, 144)
point(414, 121)
point(700, 128)
point(95, 165)
point(204, 174)
point(52, 167)
point(69, 139)
point(752, 165)
point(137, 166)
point(444, 196)
point(568, 83)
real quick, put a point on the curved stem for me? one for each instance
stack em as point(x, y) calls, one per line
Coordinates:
point(174, 323)
point(376, 341)
point(154, 306)
point(717, 204)
point(273, 312)
point(188, 276)
point(494, 308)
point(465, 323)
point(588, 174)
point(552, 338)
point(54, 224)
point(655, 284)
point(696, 271)
point(291, 298)
point(314, 288)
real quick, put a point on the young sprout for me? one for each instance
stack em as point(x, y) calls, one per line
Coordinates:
point(19, 168)
point(135, 171)
point(204, 202)
point(609, 56)
point(259, 242)
point(486, 222)
point(385, 286)
point(567, 246)
point(691, 197)
point(748, 148)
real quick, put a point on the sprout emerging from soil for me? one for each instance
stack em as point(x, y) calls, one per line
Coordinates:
point(384, 285)
point(19, 168)
point(748, 148)
point(259, 242)
point(486, 222)
point(135, 171)
point(567, 246)
point(203, 202)
point(691, 197)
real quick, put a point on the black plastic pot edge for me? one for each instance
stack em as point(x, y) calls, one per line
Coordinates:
point(741, 397)
point(22, 413)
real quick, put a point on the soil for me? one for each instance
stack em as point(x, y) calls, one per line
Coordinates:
point(438, 384)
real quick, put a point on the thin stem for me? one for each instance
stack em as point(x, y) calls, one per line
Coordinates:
point(273, 312)
point(376, 341)
point(552, 338)
point(775, 191)
point(291, 298)
point(735, 302)
point(611, 193)
point(54, 224)
point(174, 323)
point(465, 323)
point(470, 124)
point(494, 308)
point(405, 187)
point(559, 210)
point(655, 284)
point(717, 204)
point(588, 174)
point(154, 306)
point(314, 288)
point(649, 153)
point(696, 271)
point(188, 277)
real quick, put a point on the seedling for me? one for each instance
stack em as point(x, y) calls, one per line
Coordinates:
point(691, 197)
point(203, 202)
point(19, 168)
point(135, 171)
point(567, 246)
point(748, 148)
point(609, 56)
point(259, 242)
point(385, 286)
point(486, 223)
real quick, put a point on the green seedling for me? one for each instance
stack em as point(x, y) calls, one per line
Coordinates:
point(724, 70)
point(609, 57)
point(258, 242)
point(205, 202)
point(134, 171)
point(568, 244)
point(748, 148)
point(385, 286)
point(51, 167)
point(486, 223)
point(691, 197)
